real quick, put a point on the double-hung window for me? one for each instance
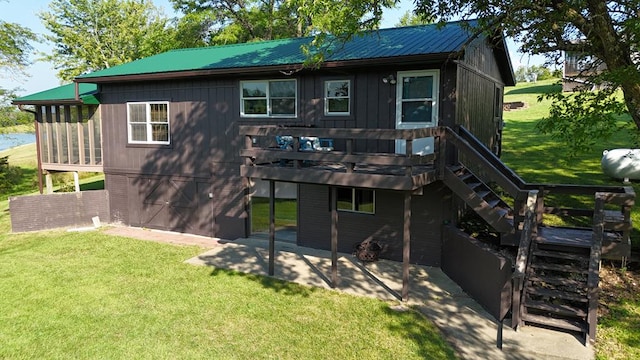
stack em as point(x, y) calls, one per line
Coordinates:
point(337, 99)
point(268, 98)
point(148, 122)
point(356, 200)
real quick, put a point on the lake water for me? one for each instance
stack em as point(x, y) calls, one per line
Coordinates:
point(8, 141)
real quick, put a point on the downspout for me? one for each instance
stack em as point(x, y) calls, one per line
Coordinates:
point(35, 119)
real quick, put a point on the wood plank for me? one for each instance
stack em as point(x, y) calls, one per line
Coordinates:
point(386, 159)
point(558, 280)
point(564, 236)
point(572, 325)
point(559, 267)
point(558, 309)
point(561, 255)
point(557, 294)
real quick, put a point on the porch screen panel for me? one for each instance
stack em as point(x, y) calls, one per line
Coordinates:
point(54, 133)
point(62, 133)
point(97, 134)
point(43, 129)
point(86, 131)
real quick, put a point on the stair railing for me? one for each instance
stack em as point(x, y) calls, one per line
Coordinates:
point(523, 258)
point(593, 277)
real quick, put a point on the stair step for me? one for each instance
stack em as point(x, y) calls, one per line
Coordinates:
point(557, 280)
point(572, 325)
point(614, 216)
point(559, 267)
point(483, 193)
point(560, 255)
point(493, 203)
point(557, 294)
point(564, 310)
point(464, 176)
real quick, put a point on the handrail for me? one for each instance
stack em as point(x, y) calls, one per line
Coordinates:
point(490, 156)
point(529, 230)
point(499, 177)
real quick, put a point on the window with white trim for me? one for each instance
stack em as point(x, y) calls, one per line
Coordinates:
point(337, 97)
point(418, 97)
point(268, 98)
point(356, 200)
point(148, 122)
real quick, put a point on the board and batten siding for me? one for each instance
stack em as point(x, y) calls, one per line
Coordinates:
point(429, 212)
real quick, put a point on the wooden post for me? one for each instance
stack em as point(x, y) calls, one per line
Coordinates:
point(334, 236)
point(49, 182)
point(76, 181)
point(272, 226)
point(406, 245)
point(350, 166)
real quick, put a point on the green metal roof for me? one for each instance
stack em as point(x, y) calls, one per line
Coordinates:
point(62, 94)
point(385, 43)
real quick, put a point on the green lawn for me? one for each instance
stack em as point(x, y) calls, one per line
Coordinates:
point(89, 295)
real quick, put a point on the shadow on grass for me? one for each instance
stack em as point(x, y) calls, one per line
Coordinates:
point(536, 89)
point(278, 286)
point(427, 338)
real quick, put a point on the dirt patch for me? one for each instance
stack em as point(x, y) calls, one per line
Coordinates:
point(617, 285)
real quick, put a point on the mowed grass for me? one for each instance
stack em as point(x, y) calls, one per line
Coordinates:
point(69, 295)
point(538, 158)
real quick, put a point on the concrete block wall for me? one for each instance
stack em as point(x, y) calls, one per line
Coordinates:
point(61, 210)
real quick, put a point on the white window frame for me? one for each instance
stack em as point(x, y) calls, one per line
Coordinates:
point(268, 98)
point(328, 98)
point(149, 123)
point(434, 98)
point(353, 202)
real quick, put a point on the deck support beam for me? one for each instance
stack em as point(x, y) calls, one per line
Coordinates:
point(406, 245)
point(272, 226)
point(334, 236)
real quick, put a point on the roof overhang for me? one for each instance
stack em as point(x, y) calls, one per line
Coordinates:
point(328, 65)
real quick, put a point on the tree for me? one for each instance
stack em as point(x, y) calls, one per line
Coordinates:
point(411, 19)
point(606, 32)
point(91, 35)
point(15, 46)
point(329, 21)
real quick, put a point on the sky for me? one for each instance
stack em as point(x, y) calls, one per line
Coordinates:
point(25, 13)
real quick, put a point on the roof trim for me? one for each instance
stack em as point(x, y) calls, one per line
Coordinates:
point(404, 60)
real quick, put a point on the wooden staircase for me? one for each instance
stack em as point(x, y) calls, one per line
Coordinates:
point(480, 197)
point(556, 272)
point(556, 289)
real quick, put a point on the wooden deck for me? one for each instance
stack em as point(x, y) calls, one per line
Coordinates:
point(362, 176)
point(612, 244)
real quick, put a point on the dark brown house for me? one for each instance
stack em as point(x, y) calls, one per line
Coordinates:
point(391, 139)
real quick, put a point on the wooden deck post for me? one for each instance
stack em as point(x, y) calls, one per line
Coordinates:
point(334, 236)
point(406, 245)
point(272, 226)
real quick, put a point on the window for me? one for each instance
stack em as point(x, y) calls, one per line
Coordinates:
point(356, 200)
point(418, 97)
point(337, 99)
point(263, 98)
point(148, 122)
